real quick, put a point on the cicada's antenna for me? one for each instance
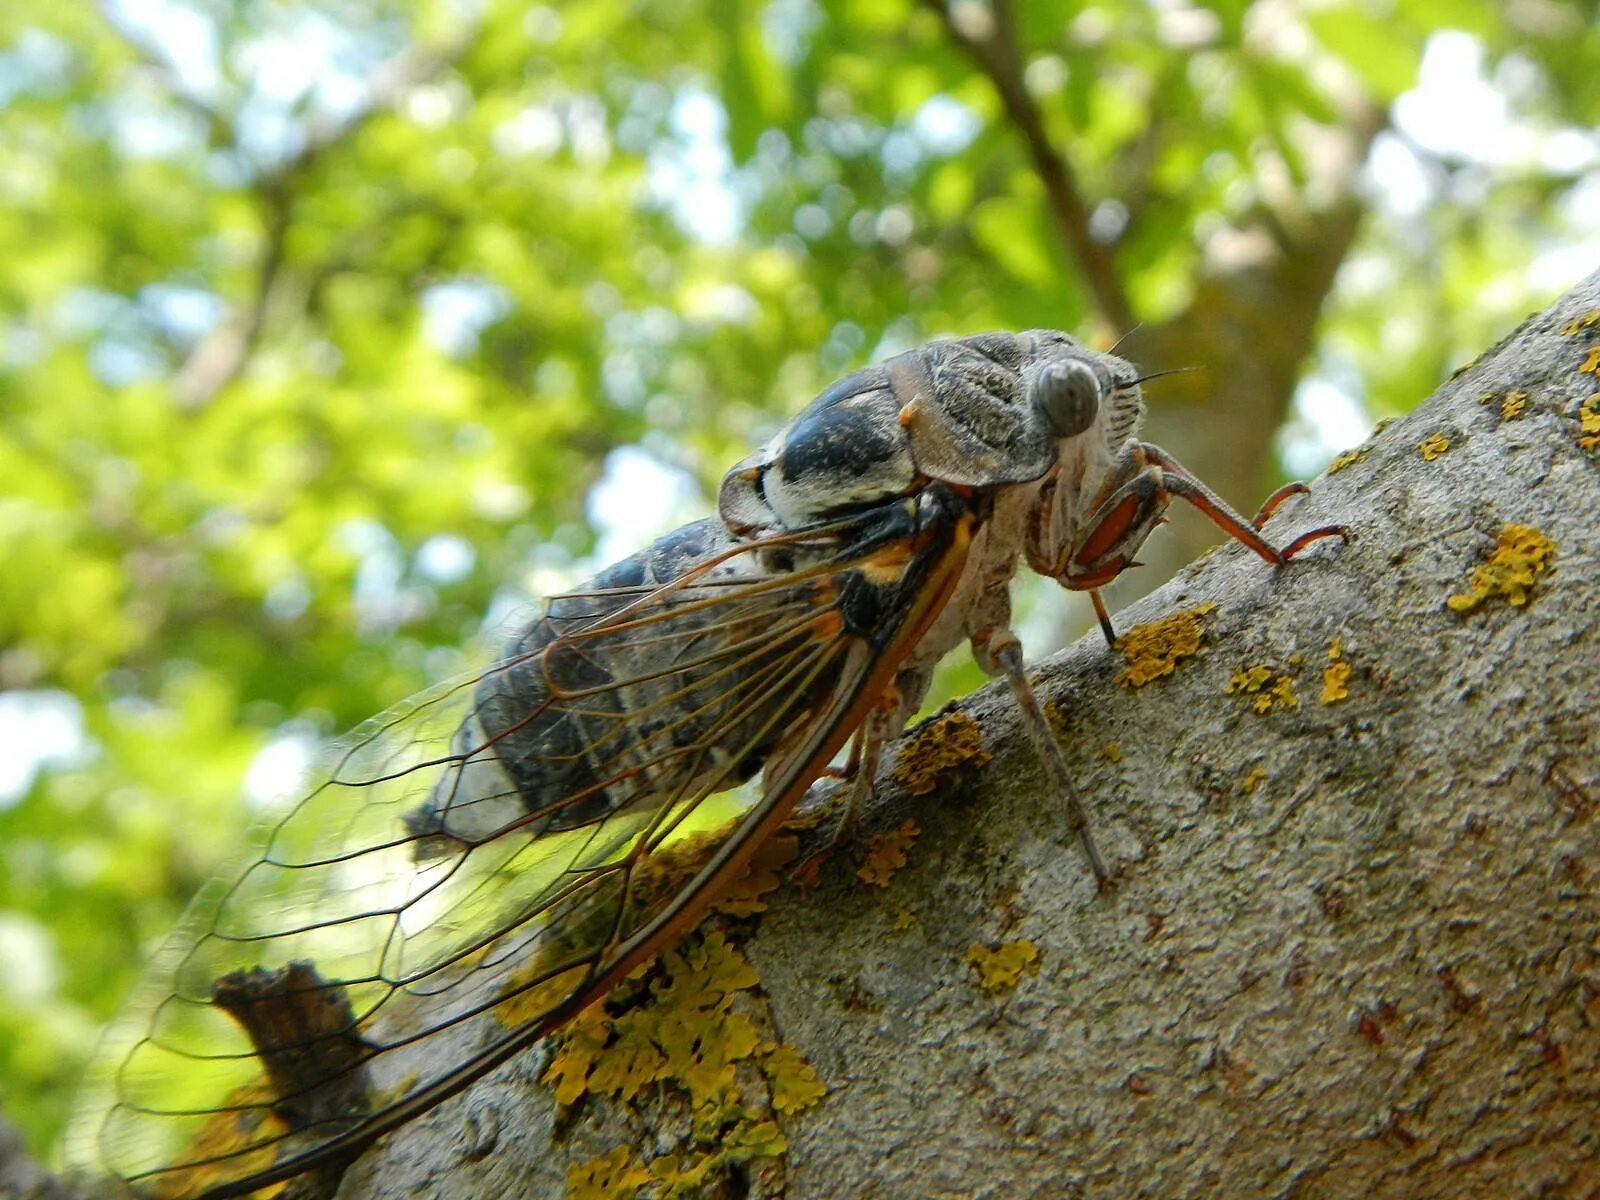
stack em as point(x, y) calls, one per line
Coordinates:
point(1137, 325)
point(1169, 371)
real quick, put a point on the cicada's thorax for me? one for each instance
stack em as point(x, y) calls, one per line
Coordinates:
point(1027, 423)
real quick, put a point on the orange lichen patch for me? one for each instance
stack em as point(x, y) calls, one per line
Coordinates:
point(1578, 324)
point(1335, 683)
point(666, 870)
point(243, 1136)
point(1348, 458)
point(1266, 689)
point(935, 749)
point(1001, 969)
point(1153, 649)
point(1252, 781)
point(747, 895)
point(614, 1176)
point(1591, 363)
point(888, 853)
point(1053, 716)
point(1511, 404)
point(1336, 675)
point(1589, 423)
point(1521, 554)
point(1111, 752)
point(1432, 446)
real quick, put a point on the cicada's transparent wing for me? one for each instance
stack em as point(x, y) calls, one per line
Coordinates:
point(474, 867)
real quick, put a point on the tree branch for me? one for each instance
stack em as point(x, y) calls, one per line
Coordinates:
point(1352, 949)
point(218, 358)
point(989, 38)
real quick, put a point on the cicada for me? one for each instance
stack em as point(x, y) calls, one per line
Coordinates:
point(483, 849)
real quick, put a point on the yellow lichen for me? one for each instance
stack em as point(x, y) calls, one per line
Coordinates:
point(935, 749)
point(1265, 690)
point(794, 1084)
point(1153, 649)
point(241, 1136)
point(614, 1176)
point(1512, 406)
point(1248, 679)
point(1252, 781)
point(1578, 324)
point(1591, 363)
point(1111, 752)
point(675, 1026)
point(1348, 458)
point(1336, 675)
point(888, 853)
point(1589, 423)
point(903, 919)
point(1520, 555)
point(1382, 424)
point(1432, 446)
point(1001, 969)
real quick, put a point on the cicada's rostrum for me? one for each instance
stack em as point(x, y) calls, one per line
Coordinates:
point(479, 850)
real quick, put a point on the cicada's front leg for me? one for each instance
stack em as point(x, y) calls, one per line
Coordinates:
point(1137, 490)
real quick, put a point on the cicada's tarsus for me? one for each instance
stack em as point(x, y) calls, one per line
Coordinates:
point(481, 850)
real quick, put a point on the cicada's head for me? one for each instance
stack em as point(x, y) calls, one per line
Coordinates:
point(1091, 405)
point(1076, 393)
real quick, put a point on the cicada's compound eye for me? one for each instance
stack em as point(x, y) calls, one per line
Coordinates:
point(1066, 393)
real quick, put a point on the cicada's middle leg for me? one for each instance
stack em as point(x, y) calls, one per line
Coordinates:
point(1137, 490)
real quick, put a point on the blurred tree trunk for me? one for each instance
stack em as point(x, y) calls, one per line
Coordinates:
point(1353, 946)
point(1251, 321)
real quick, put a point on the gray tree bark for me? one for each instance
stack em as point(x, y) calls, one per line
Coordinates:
point(1353, 948)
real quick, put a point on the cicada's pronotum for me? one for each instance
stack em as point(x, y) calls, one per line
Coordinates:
point(480, 849)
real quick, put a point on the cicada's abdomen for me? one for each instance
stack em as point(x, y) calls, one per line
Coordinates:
point(595, 700)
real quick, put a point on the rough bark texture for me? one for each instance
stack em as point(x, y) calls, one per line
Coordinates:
point(1353, 948)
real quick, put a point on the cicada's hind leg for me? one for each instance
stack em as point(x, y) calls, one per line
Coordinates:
point(1138, 489)
point(999, 653)
point(860, 771)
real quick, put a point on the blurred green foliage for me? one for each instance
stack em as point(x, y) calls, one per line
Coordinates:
point(318, 319)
